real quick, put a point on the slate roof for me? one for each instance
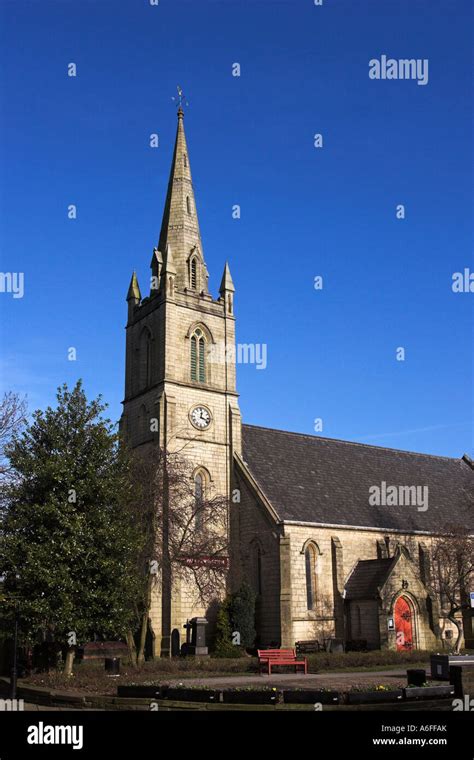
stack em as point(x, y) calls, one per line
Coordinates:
point(367, 576)
point(322, 480)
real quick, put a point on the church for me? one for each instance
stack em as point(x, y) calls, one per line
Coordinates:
point(328, 563)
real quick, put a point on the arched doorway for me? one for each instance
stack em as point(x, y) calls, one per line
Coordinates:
point(404, 624)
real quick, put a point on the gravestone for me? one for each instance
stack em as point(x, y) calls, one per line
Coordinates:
point(175, 648)
point(198, 637)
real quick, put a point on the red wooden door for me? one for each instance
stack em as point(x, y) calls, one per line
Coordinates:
point(403, 624)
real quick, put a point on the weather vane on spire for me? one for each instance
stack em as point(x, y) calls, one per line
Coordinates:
point(180, 99)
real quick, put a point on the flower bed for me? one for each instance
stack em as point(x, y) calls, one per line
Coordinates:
point(382, 696)
point(190, 694)
point(251, 696)
point(255, 695)
point(142, 691)
point(310, 696)
point(428, 692)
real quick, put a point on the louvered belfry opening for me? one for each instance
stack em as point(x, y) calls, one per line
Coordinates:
point(198, 356)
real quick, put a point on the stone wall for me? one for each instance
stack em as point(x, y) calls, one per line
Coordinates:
point(354, 545)
point(253, 534)
point(364, 622)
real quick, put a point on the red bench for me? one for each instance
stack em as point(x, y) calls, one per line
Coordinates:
point(271, 657)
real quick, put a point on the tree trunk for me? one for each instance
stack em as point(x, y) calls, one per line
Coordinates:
point(455, 622)
point(68, 663)
point(132, 650)
point(144, 623)
point(166, 572)
point(143, 632)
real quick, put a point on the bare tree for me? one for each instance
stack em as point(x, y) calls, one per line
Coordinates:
point(453, 561)
point(12, 419)
point(185, 537)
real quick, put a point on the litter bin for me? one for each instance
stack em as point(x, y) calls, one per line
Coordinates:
point(416, 677)
point(112, 666)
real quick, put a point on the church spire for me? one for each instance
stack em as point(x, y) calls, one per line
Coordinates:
point(133, 295)
point(227, 290)
point(226, 282)
point(180, 225)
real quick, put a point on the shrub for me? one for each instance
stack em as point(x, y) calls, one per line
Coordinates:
point(323, 661)
point(242, 614)
point(224, 646)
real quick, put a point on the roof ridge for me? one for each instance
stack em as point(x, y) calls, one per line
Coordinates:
point(353, 443)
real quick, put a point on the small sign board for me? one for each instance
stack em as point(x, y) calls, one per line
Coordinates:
point(471, 594)
point(391, 624)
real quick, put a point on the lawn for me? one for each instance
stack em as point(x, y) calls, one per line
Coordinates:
point(91, 678)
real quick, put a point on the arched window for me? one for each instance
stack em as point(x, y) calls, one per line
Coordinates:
point(185, 160)
point(193, 357)
point(424, 563)
point(198, 356)
point(144, 358)
point(188, 205)
point(311, 565)
point(257, 567)
point(199, 496)
point(193, 274)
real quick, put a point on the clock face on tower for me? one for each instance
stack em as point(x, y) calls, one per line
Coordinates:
point(200, 417)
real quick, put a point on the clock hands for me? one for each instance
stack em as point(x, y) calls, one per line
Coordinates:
point(201, 416)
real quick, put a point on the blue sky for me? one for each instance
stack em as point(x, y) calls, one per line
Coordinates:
point(304, 211)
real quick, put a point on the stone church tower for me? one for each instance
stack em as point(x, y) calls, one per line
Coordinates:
point(177, 395)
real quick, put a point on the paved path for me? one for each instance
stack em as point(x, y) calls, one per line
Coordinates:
point(336, 680)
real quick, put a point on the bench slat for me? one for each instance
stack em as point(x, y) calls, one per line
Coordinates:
point(272, 657)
